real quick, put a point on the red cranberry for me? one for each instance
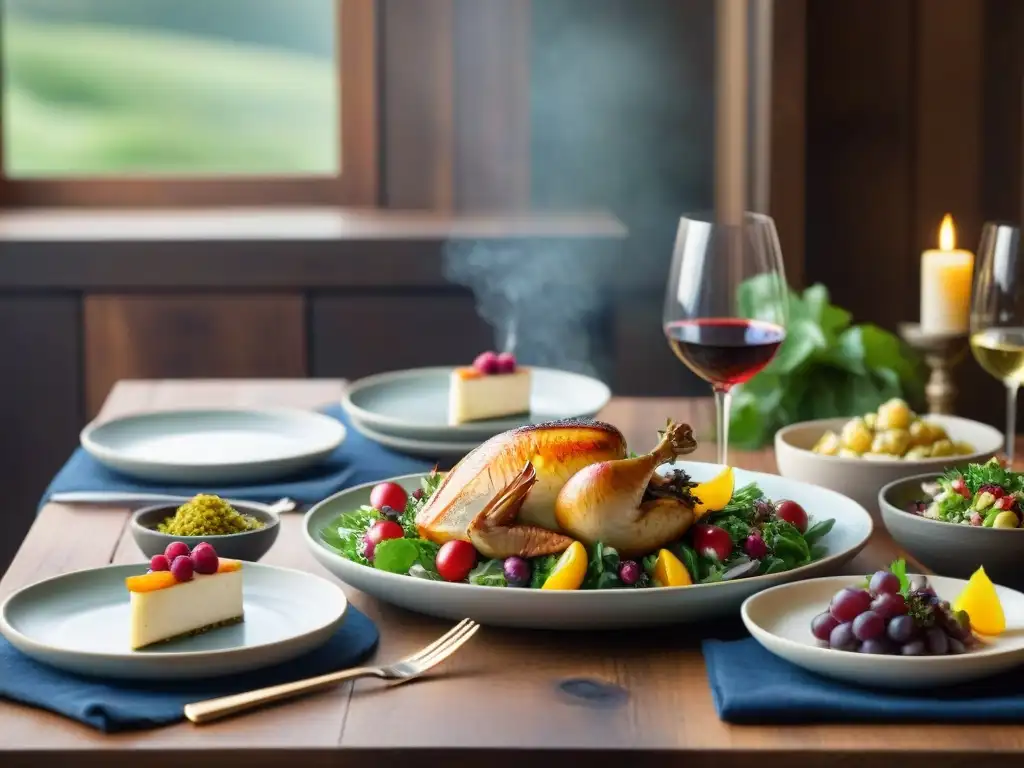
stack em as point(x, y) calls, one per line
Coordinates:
point(506, 363)
point(181, 567)
point(486, 363)
point(176, 549)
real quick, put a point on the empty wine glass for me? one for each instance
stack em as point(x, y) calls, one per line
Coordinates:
point(726, 302)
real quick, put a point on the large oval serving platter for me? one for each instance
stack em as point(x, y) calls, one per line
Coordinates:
point(594, 609)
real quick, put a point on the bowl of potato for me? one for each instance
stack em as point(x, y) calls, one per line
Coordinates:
point(857, 456)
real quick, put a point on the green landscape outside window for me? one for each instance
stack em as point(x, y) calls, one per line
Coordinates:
point(174, 88)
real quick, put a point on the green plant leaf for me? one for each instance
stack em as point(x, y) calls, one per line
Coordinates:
point(803, 339)
point(395, 555)
point(825, 367)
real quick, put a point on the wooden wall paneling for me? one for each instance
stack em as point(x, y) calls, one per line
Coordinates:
point(492, 104)
point(418, 82)
point(949, 158)
point(360, 335)
point(788, 146)
point(359, 118)
point(1003, 150)
point(191, 336)
point(40, 409)
point(860, 150)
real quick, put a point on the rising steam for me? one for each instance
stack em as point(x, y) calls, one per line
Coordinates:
point(539, 298)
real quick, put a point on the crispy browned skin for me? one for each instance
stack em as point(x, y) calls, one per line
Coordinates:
point(494, 533)
point(604, 501)
point(555, 451)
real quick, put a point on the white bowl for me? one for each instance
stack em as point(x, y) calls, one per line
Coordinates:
point(780, 620)
point(593, 609)
point(862, 479)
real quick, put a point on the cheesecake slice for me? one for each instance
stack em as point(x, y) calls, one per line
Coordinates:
point(167, 604)
point(492, 388)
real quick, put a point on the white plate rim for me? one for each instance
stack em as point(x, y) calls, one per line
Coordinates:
point(607, 594)
point(371, 417)
point(107, 455)
point(407, 444)
point(756, 629)
point(8, 630)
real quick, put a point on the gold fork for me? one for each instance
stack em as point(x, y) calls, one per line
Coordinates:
point(408, 668)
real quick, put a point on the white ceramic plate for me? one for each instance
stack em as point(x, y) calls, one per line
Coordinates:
point(414, 404)
point(780, 618)
point(428, 449)
point(213, 446)
point(79, 622)
point(592, 609)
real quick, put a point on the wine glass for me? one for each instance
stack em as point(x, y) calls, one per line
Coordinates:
point(997, 315)
point(726, 303)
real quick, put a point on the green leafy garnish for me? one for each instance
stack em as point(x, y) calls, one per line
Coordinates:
point(429, 485)
point(602, 568)
point(989, 473)
point(345, 534)
point(899, 569)
point(824, 368)
point(542, 568)
point(489, 573)
point(395, 555)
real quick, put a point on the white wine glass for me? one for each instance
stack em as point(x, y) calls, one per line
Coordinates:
point(704, 322)
point(997, 316)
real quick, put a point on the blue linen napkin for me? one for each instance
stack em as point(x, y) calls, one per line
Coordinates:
point(751, 685)
point(356, 461)
point(115, 705)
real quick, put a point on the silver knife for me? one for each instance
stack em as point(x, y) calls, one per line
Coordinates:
point(131, 498)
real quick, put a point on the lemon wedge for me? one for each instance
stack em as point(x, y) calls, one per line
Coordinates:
point(669, 571)
point(570, 569)
point(715, 493)
point(982, 604)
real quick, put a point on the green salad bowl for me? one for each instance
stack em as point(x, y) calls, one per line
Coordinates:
point(950, 549)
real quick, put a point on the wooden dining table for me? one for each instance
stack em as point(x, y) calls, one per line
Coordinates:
point(497, 703)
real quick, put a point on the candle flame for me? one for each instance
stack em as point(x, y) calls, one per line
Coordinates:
point(947, 234)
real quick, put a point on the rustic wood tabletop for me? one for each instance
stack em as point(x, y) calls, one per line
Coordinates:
point(495, 703)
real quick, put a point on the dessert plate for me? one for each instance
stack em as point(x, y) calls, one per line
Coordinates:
point(780, 619)
point(593, 609)
point(213, 446)
point(79, 622)
point(414, 404)
point(428, 449)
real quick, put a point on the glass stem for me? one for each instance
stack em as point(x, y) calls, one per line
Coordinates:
point(1011, 418)
point(723, 399)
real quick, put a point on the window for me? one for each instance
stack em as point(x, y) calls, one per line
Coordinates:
point(137, 102)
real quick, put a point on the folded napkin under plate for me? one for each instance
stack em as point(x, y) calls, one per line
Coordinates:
point(356, 461)
point(751, 685)
point(116, 705)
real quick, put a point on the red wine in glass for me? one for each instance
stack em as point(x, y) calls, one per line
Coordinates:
point(724, 350)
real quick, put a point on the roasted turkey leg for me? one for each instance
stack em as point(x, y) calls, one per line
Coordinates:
point(604, 501)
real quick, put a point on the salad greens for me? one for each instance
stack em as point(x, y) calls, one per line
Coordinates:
point(749, 514)
point(987, 495)
point(826, 367)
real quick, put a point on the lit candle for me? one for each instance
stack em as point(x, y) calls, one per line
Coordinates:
point(946, 284)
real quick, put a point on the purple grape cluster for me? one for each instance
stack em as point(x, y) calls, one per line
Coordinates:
point(881, 620)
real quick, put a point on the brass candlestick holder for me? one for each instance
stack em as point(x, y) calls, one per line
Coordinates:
point(942, 352)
